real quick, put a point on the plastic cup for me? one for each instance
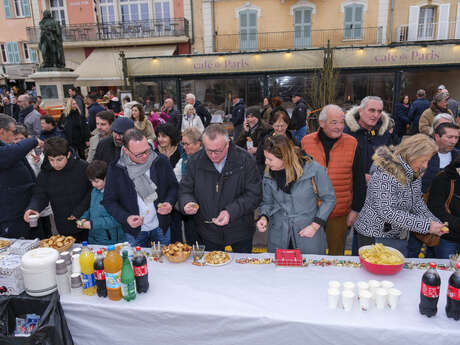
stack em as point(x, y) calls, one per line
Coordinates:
point(393, 298)
point(333, 298)
point(349, 286)
point(33, 220)
point(348, 297)
point(386, 284)
point(373, 285)
point(362, 286)
point(381, 298)
point(334, 284)
point(365, 299)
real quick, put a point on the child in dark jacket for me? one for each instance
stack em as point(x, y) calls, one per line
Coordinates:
point(103, 228)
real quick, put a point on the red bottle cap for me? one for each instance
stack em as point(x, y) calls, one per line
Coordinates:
point(99, 251)
point(433, 265)
point(138, 249)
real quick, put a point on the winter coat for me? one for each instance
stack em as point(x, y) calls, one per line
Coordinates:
point(203, 113)
point(299, 116)
point(120, 196)
point(368, 141)
point(401, 117)
point(256, 136)
point(425, 124)
point(238, 113)
point(433, 169)
point(394, 204)
point(415, 111)
point(94, 141)
point(93, 109)
point(237, 190)
point(194, 121)
point(437, 200)
point(266, 113)
point(12, 110)
point(289, 213)
point(105, 230)
point(127, 109)
point(56, 132)
point(107, 151)
point(80, 103)
point(75, 128)
point(68, 191)
point(114, 105)
point(146, 128)
point(17, 179)
point(32, 121)
point(158, 118)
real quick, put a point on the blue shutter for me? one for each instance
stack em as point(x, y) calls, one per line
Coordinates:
point(353, 22)
point(248, 30)
point(6, 4)
point(302, 27)
point(17, 55)
point(33, 55)
point(25, 8)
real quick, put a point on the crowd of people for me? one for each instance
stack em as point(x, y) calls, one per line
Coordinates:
point(157, 174)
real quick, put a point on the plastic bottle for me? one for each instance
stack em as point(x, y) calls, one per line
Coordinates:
point(453, 295)
point(128, 281)
point(62, 279)
point(87, 270)
point(429, 293)
point(99, 274)
point(112, 268)
point(141, 271)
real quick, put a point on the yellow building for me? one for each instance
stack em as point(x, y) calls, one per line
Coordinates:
point(265, 48)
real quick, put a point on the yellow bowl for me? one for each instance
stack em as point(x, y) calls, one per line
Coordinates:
point(178, 258)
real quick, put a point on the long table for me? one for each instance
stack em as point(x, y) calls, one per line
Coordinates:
point(251, 304)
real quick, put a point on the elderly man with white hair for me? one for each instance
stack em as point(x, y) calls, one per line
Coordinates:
point(200, 109)
point(441, 118)
point(339, 154)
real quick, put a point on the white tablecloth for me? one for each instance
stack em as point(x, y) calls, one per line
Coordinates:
point(256, 304)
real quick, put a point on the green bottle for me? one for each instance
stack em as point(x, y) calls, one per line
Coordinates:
point(128, 281)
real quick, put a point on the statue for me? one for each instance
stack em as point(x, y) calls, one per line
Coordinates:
point(50, 43)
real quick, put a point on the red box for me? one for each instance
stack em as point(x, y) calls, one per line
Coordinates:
point(288, 257)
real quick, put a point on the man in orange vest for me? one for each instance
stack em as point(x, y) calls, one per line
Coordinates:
point(337, 151)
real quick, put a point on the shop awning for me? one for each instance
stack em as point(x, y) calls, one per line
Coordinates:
point(103, 66)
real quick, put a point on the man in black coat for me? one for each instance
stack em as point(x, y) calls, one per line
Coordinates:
point(298, 123)
point(63, 183)
point(11, 109)
point(108, 149)
point(222, 189)
point(17, 180)
point(49, 128)
point(237, 116)
point(93, 109)
point(200, 109)
point(416, 110)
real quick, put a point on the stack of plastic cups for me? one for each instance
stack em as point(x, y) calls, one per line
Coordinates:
point(62, 279)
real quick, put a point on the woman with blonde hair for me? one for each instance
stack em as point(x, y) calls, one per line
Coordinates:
point(75, 127)
point(394, 204)
point(191, 119)
point(141, 122)
point(292, 186)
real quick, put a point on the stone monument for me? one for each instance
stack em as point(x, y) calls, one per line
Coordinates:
point(52, 75)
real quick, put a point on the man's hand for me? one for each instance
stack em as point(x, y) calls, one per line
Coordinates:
point(368, 177)
point(310, 230)
point(135, 221)
point(40, 143)
point(252, 150)
point(222, 219)
point(351, 218)
point(28, 213)
point(164, 208)
point(436, 228)
point(83, 224)
point(191, 208)
point(262, 224)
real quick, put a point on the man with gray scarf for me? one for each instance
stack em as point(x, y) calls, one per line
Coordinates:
point(140, 191)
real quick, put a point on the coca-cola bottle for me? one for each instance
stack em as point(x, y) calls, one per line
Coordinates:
point(453, 295)
point(140, 271)
point(429, 293)
point(99, 274)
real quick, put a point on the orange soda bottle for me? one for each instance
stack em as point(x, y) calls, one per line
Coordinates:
point(112, 266)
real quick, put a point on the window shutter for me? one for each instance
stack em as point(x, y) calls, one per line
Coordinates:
point(6, 4)
point(457, 23)
point(443, 23)
point(248, 30)
point(17, 55)
point(9, 52)
point(25, 8)
point(413, 23)
point(33, 55)
point(348, 22)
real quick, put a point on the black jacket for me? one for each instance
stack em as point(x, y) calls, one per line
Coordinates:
point(107, 151)
point(238, 113)
point(237, 189)
point(114, 105)
point(203, 113)
point(416, 110)
point(16, 179)
point(68, 191)
point(12, 110)
point(261, 131)
point(75, 128)
point(439, 193)
point(56, 132)
point(299, 116)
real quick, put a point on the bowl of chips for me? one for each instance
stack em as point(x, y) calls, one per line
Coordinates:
point(58, 242)
point(380, 259)
point(177, 252)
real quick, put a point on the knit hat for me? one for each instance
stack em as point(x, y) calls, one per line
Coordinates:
point(122, 124)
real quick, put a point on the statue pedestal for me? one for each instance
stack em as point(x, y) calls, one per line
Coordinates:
point(53, 85)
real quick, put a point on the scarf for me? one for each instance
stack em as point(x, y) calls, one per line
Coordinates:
point(280, 179)
point(144, 186)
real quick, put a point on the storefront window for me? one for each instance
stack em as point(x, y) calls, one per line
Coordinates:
point(158, 91)
point(285, 85)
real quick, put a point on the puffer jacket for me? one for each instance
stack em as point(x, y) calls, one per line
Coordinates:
point(394, 204)
point(105, 230)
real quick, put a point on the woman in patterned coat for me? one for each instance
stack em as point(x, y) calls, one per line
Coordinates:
point(394, 204)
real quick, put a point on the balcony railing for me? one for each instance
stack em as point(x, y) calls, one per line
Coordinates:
point(299, 39)
point(171, 27)
point(428, 32)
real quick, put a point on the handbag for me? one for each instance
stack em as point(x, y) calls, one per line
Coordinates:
point(315, 191)
point(433, 240)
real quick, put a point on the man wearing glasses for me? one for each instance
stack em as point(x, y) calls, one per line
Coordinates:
point(140, 191)
point(222, 189)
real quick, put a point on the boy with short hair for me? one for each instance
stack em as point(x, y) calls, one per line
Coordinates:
point(63, 183)
point(103, 228)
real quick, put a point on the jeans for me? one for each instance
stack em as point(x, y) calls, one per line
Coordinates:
point(144, 238)
point(415, 245)
point(445, 248)
point(300, 133)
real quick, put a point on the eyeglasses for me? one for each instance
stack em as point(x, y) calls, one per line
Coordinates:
point(216, 152)
point(142, 154)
